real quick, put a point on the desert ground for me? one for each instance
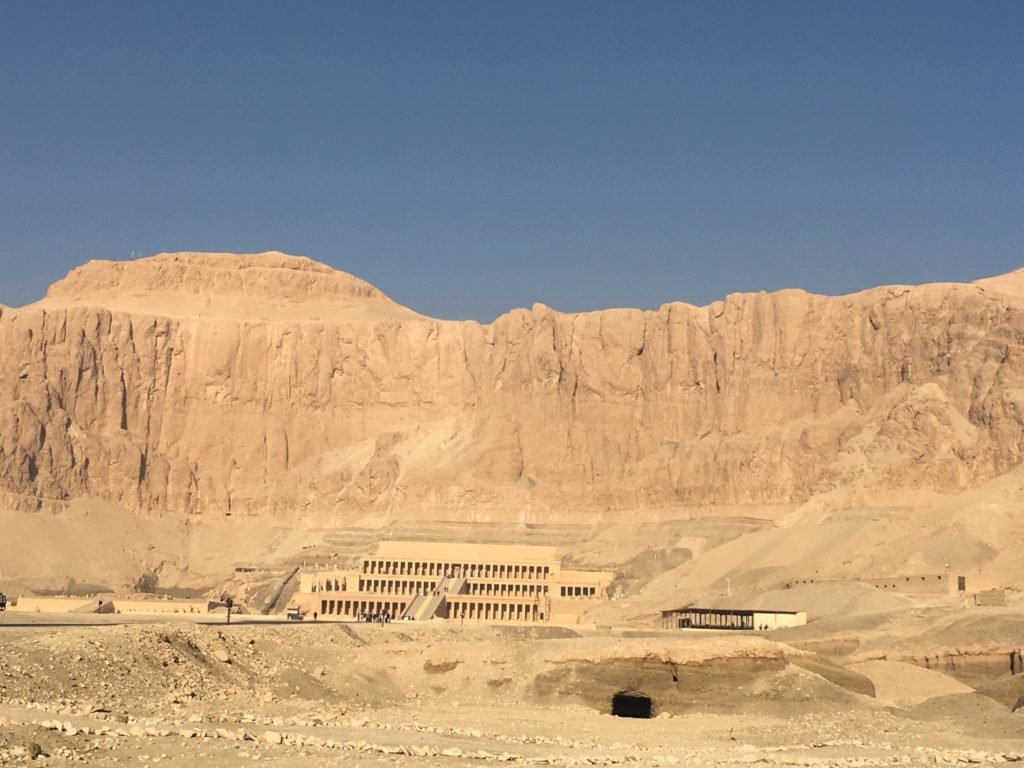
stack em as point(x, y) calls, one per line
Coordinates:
point(921, 686)
point(874, 677)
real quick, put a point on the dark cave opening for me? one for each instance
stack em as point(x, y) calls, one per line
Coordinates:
point(632, 704)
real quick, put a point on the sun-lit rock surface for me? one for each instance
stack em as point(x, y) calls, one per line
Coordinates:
point(206, 383)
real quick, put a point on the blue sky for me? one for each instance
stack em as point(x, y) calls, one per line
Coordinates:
point(471, 157)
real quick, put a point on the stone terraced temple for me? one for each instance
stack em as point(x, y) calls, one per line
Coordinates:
point(482, 583)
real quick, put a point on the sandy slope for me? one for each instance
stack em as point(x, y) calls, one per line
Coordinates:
point(903, 684)
point(978, 533)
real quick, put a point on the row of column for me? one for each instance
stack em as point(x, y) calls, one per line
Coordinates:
point(396, 586)
point(498, 612)
point(506, 590)
point(406, 567)
point(708, 620)
point(469, 570)
point(579, 591)
point(387, 586)
point(354, 608)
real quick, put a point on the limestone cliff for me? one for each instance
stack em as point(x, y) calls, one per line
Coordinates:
point(214, 383)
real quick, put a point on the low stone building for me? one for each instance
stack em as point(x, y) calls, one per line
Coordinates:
point(194, 607)
point(928, 584)
point(915, 584)
point(94, 604)
point(489, 583)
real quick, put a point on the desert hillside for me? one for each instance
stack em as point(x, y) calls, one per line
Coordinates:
point(266, 384)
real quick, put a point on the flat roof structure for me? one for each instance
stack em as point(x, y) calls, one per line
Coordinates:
point(730, 618)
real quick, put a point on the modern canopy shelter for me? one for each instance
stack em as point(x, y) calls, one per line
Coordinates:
point(730, 618)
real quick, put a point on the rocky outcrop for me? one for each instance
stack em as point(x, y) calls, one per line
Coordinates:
point(207, 384)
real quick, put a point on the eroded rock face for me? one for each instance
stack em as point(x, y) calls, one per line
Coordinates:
point(207, 383)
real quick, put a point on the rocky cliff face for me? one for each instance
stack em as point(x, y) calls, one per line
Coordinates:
point(203, 384)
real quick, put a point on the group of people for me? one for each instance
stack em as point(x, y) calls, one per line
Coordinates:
point(384, 617)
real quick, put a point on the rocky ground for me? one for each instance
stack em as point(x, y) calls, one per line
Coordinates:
point(184, 694)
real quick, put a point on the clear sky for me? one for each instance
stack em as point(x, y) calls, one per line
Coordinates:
point(471, 157)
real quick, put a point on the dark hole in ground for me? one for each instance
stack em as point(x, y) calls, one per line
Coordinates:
point(632, 705)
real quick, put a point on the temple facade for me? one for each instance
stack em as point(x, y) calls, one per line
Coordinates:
point(484, 583)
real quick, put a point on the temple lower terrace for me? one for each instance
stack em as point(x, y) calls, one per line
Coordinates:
point(481, 583)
